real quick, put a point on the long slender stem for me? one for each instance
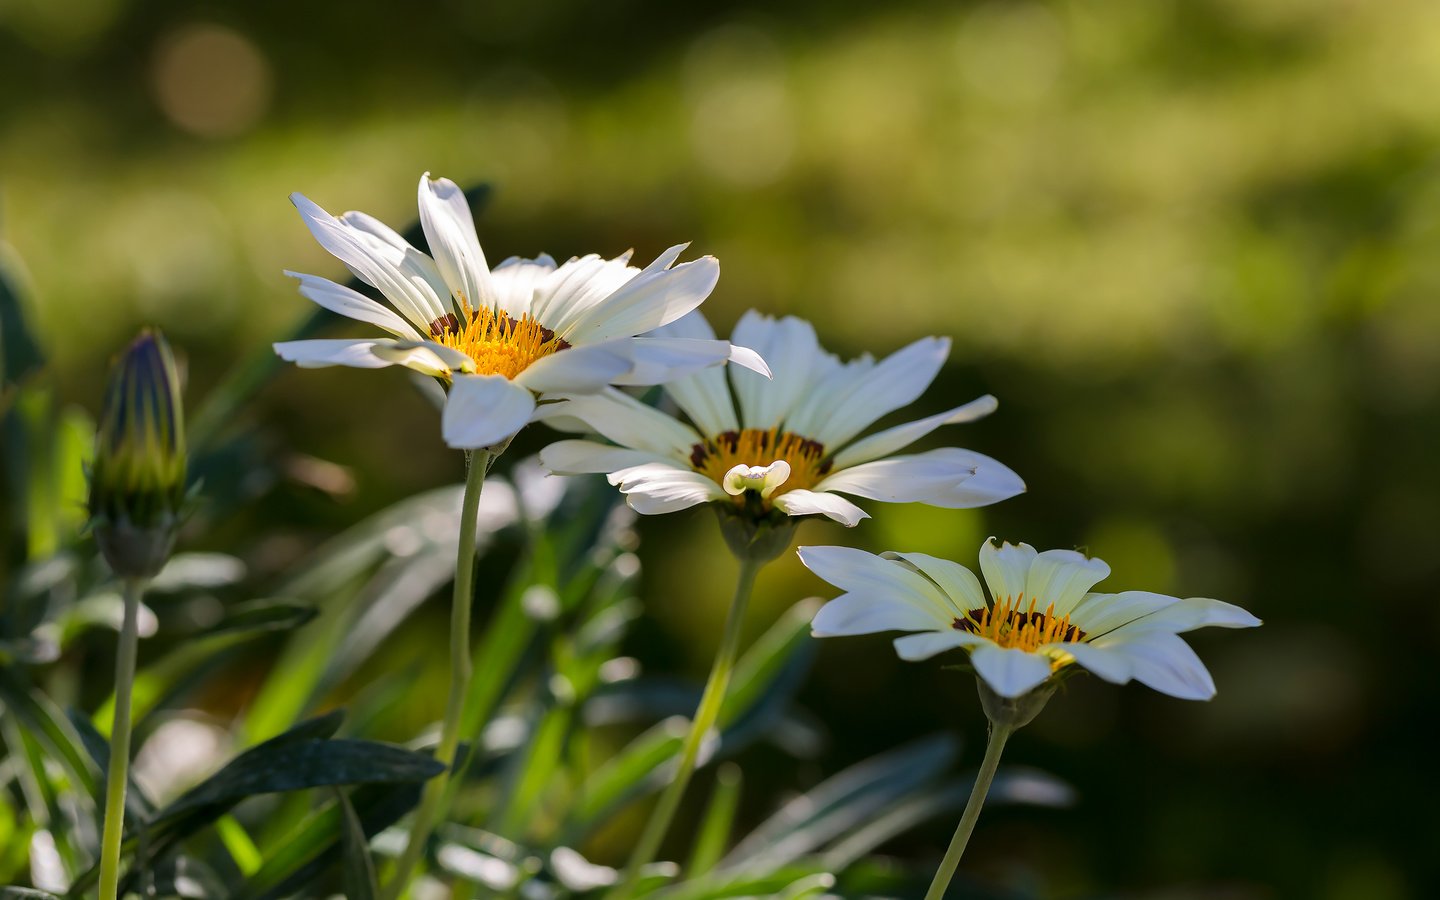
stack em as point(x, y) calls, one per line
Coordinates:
point(119, 769)
point(430, 802)
point(998, 735)
point(705, 716)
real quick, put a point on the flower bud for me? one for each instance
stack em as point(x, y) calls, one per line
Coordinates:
point(137, 481)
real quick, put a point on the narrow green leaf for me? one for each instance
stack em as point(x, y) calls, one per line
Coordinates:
point(313, 844)
point(1011, 785)
point(760, 665)
point(239, 845)
point(840, 803)
point(54, 730)
point(358, 867)
point(809, 886)
point(714, 833)
point(20, 354)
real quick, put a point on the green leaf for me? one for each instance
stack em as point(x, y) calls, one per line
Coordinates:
point(165, 828)
point(1018, 785)
point(341, 579)
point(20, 354)
point(259, 616)
point(175, 671)
point(840, 803)
point(357, 866)
point(138, 807)
point(54, 730)
point(713, 835)
point(762, 687)
point(313, 844)
point(292, 766)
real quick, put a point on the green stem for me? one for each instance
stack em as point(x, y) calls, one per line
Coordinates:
point(119, 769)
point(999, 734)
point(430, 802)
point(705, 716)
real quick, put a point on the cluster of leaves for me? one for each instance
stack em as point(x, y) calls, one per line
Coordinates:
point(313, 804)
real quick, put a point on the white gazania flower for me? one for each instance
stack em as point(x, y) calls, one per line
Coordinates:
point(786, 444)
point(500, 337)
point(1040, 618)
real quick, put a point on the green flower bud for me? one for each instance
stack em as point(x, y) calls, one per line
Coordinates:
point(137, 481)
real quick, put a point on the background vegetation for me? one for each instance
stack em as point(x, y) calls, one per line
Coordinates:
point(1190, 245)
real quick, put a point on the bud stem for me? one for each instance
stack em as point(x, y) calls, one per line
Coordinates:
point(430, 803)
point(999, 733)
point(119, 768)
point(705, 717)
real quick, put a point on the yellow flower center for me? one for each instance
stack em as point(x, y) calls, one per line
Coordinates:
point(756, 447)
point(498, 344)
point(1014, 625)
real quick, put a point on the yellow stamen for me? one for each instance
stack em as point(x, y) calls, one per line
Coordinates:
point(1012, 624)
point(498, 344)
point(757, 447)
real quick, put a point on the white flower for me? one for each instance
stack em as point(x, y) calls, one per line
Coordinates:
point(1040, 619)
point(500, 337)
point(788, 443)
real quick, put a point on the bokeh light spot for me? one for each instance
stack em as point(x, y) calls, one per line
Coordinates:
point(211, 81)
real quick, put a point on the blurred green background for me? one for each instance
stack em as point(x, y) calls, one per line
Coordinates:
point(1191, 246)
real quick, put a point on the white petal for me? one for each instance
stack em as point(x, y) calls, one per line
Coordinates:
point(790, 347)
point(661, 360)
point(516, 280)
point(629, 423)
point(1100, 614)
point(416, 269)
point(820, 503)
point(1166, 663)
point(916, 647)
point(991, 483)
point(705, 395)
point(824, 397)
point(657, 296)
point(894, 382)
point(867, 575)
point(1009, 672)
point(450, 231)
point(484, 410)
point(656, 488)
point(352, 304)
point(376, 262)
point(576, 369)
point(851, 614)
point(958, 582)
point(901, 479)
point(358, 353)
point(1110, 665)
point(427, 357)
point(1189, 614)
point(590, 457)
point(749, 359)
point(883, 443)
point(1063, 577)
point(1004, 568)
point(577, 286)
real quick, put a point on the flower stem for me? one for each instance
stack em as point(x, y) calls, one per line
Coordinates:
point(998, 735)
point(119, 769)
point(479, 463)
point(705, 716)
